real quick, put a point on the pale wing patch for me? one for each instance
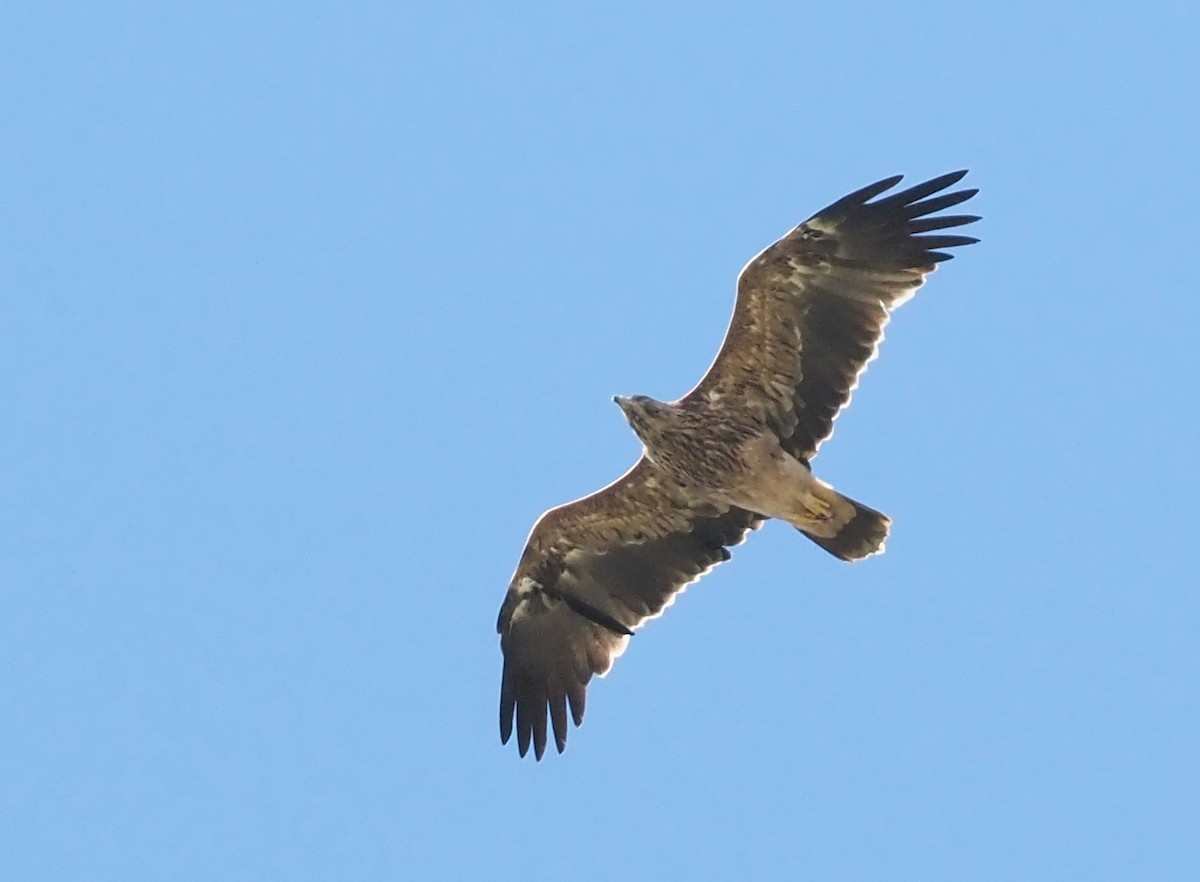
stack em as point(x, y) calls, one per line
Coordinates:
point(615, 653)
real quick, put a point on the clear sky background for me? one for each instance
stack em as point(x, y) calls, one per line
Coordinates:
point(309, 310)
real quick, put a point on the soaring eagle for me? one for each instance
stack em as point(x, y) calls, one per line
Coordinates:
point(733, 452)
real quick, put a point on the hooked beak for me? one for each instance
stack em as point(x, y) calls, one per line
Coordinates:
point(622, 402)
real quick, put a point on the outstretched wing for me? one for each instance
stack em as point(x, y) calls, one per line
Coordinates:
point(811, 308)
point(592, 572)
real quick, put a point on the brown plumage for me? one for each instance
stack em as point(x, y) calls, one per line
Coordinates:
point(733, 452)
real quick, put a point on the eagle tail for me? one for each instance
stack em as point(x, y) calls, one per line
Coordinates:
point(860, 536)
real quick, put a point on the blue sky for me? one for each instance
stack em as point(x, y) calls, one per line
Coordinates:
point(309, 310)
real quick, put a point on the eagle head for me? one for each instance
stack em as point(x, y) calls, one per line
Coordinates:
point(646, 416)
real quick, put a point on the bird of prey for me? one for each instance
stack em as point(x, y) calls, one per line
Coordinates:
point(733, 452)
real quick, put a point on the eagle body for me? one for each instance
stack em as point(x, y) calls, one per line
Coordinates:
point(731, 457)
point(732, 453)
point(699, 447)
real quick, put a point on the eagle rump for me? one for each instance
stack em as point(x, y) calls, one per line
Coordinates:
point(733, 452)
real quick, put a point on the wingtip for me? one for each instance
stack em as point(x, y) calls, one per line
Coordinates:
point(872, 190)
point(507, 708)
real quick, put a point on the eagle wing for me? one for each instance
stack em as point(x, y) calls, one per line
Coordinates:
point(592, 571)
point(811, 308)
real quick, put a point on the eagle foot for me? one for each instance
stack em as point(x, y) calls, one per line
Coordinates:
point(818, 508)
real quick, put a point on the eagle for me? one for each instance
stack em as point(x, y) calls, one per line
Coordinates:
point(730, 454)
